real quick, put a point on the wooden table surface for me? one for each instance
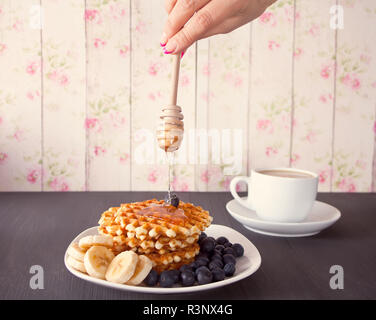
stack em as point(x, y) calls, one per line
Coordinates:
point(36, 228)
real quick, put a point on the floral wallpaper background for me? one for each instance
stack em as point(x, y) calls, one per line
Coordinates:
point(82, 83)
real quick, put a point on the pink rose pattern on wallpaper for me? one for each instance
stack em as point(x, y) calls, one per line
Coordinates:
point(353, 163)
point(19, 86)
point(313, 90)
point(116, 99)
point(107, 121)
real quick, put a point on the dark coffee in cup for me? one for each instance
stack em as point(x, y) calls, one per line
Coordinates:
point(287, 174)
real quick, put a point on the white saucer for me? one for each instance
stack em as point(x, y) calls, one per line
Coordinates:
point(321, 217)
point(245, 265)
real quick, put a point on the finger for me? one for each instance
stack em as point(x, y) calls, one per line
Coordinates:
point(224, 27)
point(179, 15)
point(191, 32)
point(169, 5)
point(209, 16)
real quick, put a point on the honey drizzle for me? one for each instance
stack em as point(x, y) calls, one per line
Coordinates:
point(170, 141)
point(170, 160)
point(164, 212)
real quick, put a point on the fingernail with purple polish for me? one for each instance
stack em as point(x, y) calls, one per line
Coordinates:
point(170, 47)
point(164, 39)
point(166, 52)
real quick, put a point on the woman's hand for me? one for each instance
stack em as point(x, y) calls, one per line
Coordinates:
point(191, 20)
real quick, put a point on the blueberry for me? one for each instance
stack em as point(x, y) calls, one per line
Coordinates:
point(238, 249)
point(229, 251)
point(187, 278)
point(219, 248)
point(174, 200)
point(207, 245)
point(199, 269)
point(185, 267)
point(218, 263)
point(204, 276)
point(216, 256)
point(175, 274)
point(229, 269)
point(222, 240)
point(202, 261)
point(212, 238)
point(193, 265)
point(218, 274)
point(215, 264)
point(229, 258)
point(166, 279)
point(227, 244)
point(202, 255)
point(202, 236)
point(216, 251)
point(152, 278)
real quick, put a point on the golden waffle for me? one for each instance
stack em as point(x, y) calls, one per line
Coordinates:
point(176, 256)
point(172, 266)
point(168, 260)
point(165, 234)
point(171, 259)
point(127, 220)
point(160, 245)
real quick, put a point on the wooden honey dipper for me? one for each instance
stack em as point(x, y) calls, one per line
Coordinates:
point(171, 129)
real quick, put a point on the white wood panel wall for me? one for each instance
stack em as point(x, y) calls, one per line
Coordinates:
point(80, 96)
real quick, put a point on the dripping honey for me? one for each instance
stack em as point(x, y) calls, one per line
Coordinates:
point(166, 213)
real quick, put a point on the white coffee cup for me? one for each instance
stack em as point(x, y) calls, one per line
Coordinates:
point(279, 194)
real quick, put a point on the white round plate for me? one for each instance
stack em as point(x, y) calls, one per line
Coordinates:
point(321, 217)
point(245, 265)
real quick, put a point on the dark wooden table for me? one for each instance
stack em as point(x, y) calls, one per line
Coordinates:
point(36, 228)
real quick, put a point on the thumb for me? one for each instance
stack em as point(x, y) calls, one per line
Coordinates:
point(169, 5)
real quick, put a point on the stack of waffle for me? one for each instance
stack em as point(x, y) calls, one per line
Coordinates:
point(165, 234)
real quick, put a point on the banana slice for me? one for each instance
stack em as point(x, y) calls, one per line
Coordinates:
point(122, 267)
point(143, 268)
point(75, 264)
point(96, 261)
point(76, 252)
point(98, 240)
